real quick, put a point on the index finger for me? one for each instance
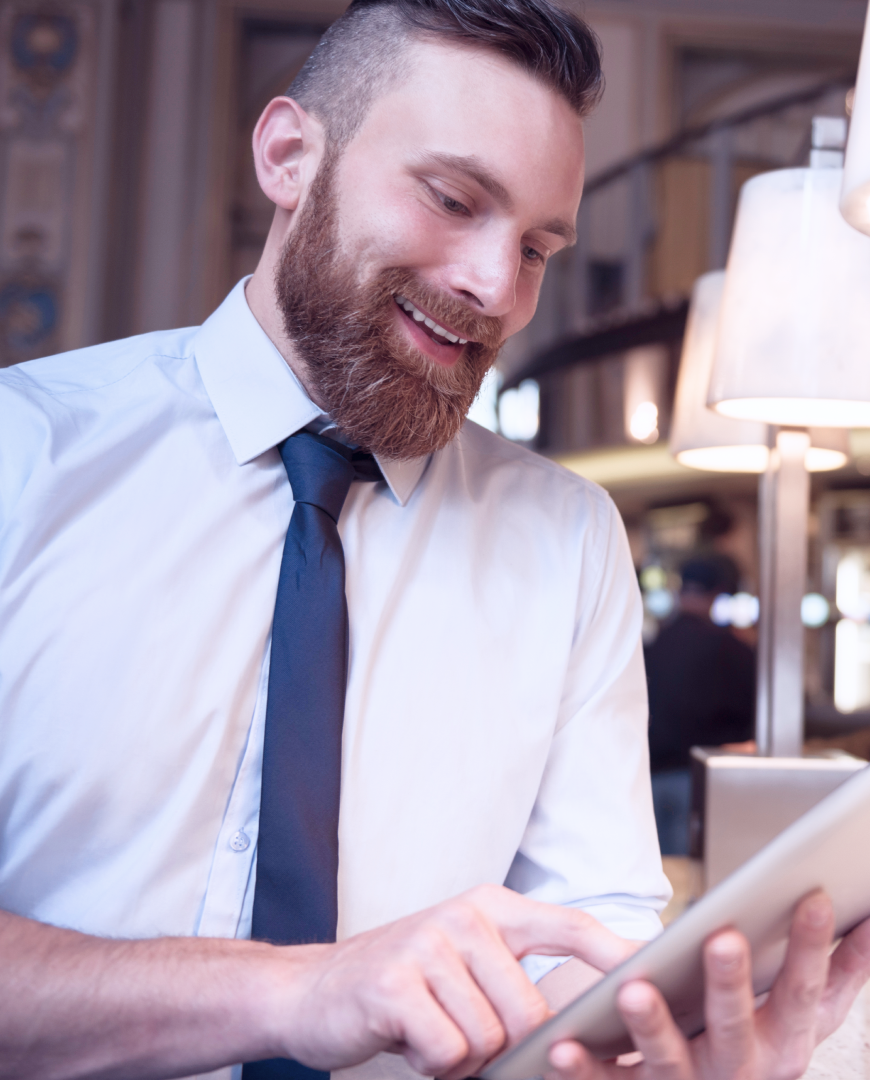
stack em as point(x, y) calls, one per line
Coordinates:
point(528, 926)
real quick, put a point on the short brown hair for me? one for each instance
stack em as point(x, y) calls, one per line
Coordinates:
point(363, 52)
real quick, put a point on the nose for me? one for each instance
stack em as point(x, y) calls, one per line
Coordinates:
point(485, 274)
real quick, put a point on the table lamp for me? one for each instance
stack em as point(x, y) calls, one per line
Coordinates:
point(794, 335)
point(703, 439)
point(792, 349)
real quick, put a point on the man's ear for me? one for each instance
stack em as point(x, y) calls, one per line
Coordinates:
point(288, 146)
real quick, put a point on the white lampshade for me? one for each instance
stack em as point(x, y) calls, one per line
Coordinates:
point(793, 346)
point(855, 197)
point(701, 438)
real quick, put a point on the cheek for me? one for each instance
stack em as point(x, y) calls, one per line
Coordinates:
point(396, 230)
point(528, 291)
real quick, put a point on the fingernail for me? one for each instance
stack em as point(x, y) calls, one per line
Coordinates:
point(634, 998)
point(724, 955)
point(561, 1056)
point(817, 912)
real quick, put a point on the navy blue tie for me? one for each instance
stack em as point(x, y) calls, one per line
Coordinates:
point(295, 898)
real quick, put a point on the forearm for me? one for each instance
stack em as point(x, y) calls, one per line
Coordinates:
point(76, 1006)
point(442, 986)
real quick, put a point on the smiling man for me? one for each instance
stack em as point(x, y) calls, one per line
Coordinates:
point(216, 725)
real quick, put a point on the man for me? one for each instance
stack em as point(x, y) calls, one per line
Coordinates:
point(494, 723)
point(701, 692)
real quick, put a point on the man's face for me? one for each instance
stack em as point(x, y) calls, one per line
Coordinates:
point(458, 187)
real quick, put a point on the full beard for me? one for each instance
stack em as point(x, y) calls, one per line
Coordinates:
point(383, 393)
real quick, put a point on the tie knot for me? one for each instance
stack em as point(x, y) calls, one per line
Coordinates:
point(321, 470)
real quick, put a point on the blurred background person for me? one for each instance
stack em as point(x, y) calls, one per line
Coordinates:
point(701, 692)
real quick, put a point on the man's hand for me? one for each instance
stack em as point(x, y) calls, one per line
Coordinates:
point(809, 1000)
point(442, 987)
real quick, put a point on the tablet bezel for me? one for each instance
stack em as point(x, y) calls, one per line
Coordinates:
point(816, 851)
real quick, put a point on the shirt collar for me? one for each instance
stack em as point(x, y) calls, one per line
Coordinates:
point(257, 398)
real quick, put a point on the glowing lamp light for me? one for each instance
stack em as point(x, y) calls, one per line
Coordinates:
point(703, 439)
point(794, 327)
point(740, 610)
point(484, 408)
point(852, 666)
point(519, 411)
point(855, 196)
point(644, 422)
point(815, 610)
point(853, 586)
point(659, 603)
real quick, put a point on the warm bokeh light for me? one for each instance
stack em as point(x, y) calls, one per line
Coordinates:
point(753, 459)
point(741, 459)
point(852, 666)
point(821, 459)
point(644, 422)
point(799, 412)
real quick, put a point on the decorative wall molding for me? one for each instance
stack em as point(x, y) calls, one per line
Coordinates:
point(46, 106)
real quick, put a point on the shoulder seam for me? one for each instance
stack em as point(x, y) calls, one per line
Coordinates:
point(103, 385)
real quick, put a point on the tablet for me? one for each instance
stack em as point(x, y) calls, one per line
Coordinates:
point(826, 848)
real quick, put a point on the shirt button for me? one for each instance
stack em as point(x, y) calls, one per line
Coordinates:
point(240, 841)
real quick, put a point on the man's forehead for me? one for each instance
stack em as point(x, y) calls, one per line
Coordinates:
point(483, 111)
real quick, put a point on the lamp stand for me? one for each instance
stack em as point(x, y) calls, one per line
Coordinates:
point(783, 512)
point(740, 802)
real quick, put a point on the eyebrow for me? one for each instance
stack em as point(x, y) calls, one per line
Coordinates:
point(470, 165)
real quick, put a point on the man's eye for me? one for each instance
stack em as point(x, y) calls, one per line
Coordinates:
point(453, 205)
point(532, 254)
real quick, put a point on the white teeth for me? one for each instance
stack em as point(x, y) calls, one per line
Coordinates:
point(418, 316)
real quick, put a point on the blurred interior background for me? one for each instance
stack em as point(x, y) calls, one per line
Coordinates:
point(128, 203)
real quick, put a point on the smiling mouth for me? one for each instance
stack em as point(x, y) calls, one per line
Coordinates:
point(434, 330)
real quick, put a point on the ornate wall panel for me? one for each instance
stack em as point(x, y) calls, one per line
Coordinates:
point(47, 60)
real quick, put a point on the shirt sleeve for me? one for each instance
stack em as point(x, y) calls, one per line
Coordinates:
point(591, 839)
point(25, 437)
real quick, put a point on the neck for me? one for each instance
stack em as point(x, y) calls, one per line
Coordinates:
point(260, 295)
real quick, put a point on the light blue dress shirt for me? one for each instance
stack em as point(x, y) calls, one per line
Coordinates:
point(495, 727)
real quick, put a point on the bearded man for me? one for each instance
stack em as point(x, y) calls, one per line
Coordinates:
point(218, 726)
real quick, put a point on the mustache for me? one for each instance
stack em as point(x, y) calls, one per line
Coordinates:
point(477, 329)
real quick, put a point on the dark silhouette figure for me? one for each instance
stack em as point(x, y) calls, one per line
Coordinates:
point(701, 693)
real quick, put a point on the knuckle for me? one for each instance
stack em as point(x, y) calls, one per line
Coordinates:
point(733, 1030)
point(537, 1012)
point(806, 994)
point(390, 983)
point(463, 916)
point(492, 1039)
point(429, 942)
point(667, 1065)
point(484, 898)
point(444, 1054)
point(488, 892)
